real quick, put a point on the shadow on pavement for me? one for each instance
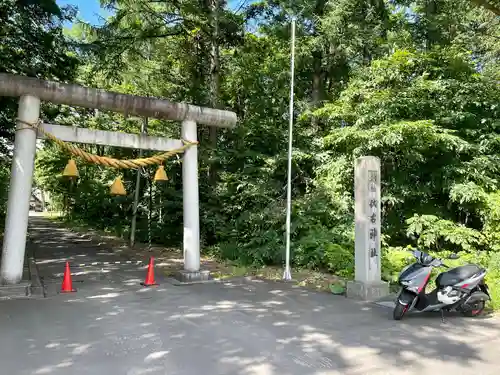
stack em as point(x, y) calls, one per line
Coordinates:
point(112, 325)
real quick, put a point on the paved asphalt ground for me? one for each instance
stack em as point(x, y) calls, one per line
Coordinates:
point(113, 326)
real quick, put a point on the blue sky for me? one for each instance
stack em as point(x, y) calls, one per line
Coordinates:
point(88, 10)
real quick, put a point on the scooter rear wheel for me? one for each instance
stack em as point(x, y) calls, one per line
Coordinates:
point(474, 310)
point(399, 311)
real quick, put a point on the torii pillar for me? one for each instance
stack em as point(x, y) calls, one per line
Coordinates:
point(31, 91)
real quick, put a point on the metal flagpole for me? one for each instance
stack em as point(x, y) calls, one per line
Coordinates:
point(287, 274)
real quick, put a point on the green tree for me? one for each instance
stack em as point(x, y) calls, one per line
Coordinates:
point(32, 44)
point(433, 121)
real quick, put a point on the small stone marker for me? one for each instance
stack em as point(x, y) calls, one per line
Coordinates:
point(367, 284)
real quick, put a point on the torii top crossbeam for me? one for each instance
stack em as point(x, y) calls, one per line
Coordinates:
point(62, 93)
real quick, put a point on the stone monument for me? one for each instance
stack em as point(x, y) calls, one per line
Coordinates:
point(367, 284)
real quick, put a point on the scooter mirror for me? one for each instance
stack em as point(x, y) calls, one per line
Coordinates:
point(454, 256)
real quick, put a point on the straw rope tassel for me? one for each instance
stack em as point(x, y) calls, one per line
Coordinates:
point(111, 162)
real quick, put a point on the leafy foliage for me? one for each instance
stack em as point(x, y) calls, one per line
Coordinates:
point(32, 44)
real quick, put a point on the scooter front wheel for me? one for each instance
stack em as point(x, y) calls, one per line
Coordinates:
point(399, 311)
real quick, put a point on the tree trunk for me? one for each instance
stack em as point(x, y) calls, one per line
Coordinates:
point(214, 78)
point(318, 79)
point(133, 225)
point(431, 30)
point(491, 5)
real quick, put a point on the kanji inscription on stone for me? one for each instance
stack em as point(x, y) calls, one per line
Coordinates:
point(367, 213)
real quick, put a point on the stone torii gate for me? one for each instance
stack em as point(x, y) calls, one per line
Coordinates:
point(31, 91)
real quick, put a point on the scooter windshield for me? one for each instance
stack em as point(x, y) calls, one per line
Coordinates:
point(423, 258)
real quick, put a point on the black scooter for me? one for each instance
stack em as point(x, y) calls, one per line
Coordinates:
point(460, 289)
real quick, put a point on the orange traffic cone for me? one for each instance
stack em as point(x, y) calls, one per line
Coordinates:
point(67, 284)
point(150, 276)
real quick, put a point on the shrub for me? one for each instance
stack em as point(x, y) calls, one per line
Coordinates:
point(309, 250)
point(394, 259)
point(340, 260)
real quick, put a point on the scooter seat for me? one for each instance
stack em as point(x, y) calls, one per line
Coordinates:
point(457, 275)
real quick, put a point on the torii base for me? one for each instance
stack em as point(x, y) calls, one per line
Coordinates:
point(29, 287)
point(192, 277)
